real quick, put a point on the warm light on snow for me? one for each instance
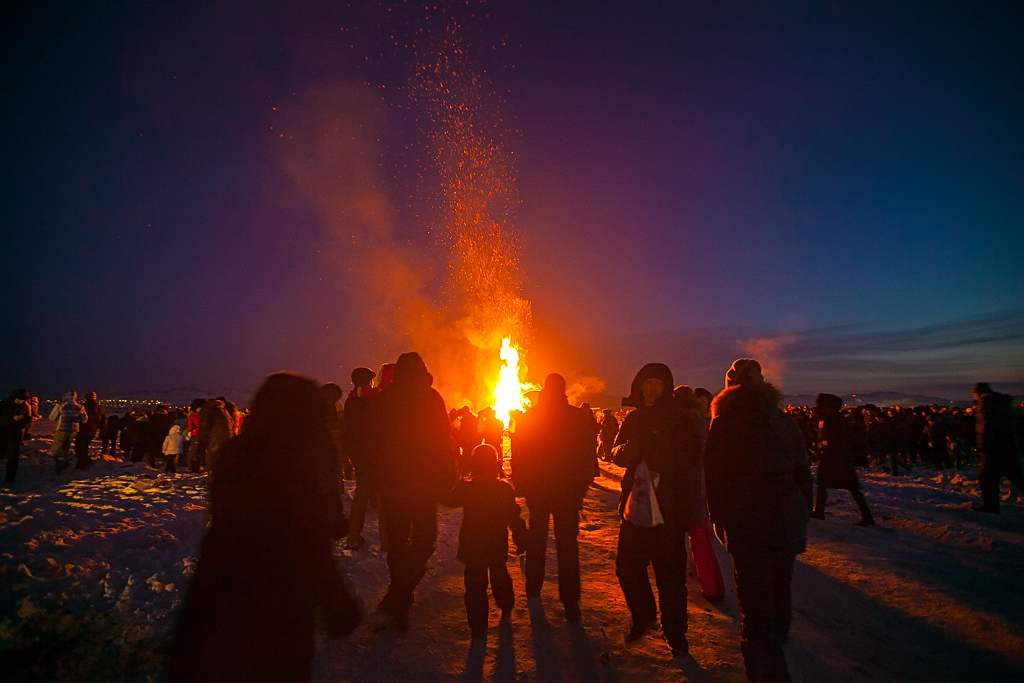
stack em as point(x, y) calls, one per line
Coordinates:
point(508, 394)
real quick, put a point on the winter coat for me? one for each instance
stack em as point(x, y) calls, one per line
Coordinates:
point(837, 445)
point(996, 425)
point(667, 436)
point(214, 429)
point(14, 417)
point(174, 443)
point(356, 440)
point(489, 511)
point(553, 452)
point(757, 474)
point(266, 568)
point(412, 456)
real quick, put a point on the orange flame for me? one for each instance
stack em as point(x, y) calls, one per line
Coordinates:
point(508, 393)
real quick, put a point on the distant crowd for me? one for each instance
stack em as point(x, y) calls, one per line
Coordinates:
point(694, 465)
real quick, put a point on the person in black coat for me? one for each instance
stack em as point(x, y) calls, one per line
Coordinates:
point(553, 461)
point(489, 512)
point(413, 462)
point(357, 442)
point(665, 437)
point(110, 432)
point(837, 444)
point(15, 415)
point(759, 497)
point(266, 571)
point(998, 427)
point(96, 416)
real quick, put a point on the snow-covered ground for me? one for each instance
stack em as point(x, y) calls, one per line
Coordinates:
point(93, 566)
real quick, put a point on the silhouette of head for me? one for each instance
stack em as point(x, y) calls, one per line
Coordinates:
point(484, 462)
point(744, 372)
point(362, 377)
point(981, 388)
point(287, 402)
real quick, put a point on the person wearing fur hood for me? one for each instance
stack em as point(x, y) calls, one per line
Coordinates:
point(659, 444)
point(759, 494)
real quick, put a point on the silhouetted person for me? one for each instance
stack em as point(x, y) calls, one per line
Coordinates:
point(609, 430)
point(759, 496)
point(660, 447)
point(15, 415)
point(95, 417)
point(413, 462)
point(110, 432)
point(699, 533)
point(265, 569)
point(490, 428)
point(489, 512)
point(334, 420)
point(997, 425)
point(837, 469)
point(467, 437)
point(553, 459)
point(357, 448)
point(214, 431)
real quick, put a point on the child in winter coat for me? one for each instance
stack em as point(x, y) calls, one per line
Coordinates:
point(174, 446)
point(489, 511)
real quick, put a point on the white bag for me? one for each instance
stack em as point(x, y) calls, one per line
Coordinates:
point(642, 505)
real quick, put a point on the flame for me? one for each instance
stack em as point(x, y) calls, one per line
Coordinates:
point(508, 394)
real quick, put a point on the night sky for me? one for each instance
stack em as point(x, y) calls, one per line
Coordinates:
point(837, 189)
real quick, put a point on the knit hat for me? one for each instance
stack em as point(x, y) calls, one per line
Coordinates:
point(744, 371)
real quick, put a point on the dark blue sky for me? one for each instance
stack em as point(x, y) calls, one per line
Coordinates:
point(835, 188)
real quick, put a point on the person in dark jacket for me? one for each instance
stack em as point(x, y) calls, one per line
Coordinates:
point(837, 445)
point(214, 431)
point(266, 570)
point(489, 512)
point(413, 462)
point(95, 415)
point(553, 460)
point(357, 442)
point(110, 432)
point(609, 430)
point(664, 436)
point(759, 496)
point(997, 428)
point(15, 415)
point(700, 534)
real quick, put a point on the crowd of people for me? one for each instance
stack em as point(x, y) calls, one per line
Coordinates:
point(694, 465)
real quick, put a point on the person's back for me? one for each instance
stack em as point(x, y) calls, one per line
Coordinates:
point(551, 455)
point(759, 490)
point(489, 511)
point(411, 444)
point(413, 462)
point(757, 476)
point(265, 569)
point(994, 423)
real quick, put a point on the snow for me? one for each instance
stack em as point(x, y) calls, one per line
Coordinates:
point(93, 566)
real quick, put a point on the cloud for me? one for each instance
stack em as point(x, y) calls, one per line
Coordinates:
point(942, 359)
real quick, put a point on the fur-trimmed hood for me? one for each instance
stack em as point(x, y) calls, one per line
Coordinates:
point(741, 397)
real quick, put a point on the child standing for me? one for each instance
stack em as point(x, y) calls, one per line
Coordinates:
point(174, 446)
point(489, 510)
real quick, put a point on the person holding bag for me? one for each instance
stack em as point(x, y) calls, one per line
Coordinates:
point(659, 445)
